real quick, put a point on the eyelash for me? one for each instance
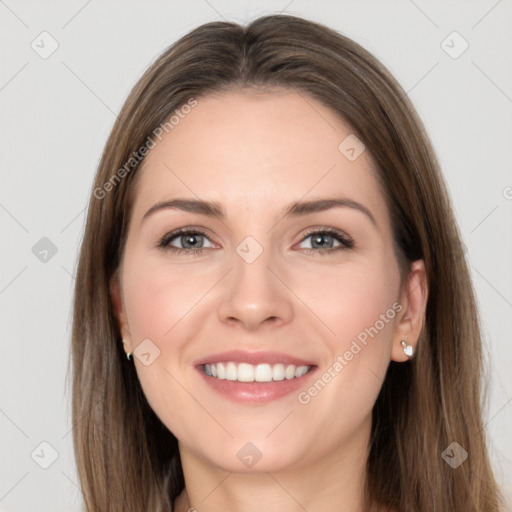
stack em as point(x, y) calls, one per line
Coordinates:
point(346, 242)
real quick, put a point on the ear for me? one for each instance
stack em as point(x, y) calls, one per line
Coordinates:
point(410, 321)
point(116, 297)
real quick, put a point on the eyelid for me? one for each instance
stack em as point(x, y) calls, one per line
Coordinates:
point(326, 229)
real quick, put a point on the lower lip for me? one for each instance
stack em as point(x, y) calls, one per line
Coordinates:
point(244, 392)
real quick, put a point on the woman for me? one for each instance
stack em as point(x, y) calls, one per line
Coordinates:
point(270, 243)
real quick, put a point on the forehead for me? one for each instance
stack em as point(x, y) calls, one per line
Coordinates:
point(241, 146)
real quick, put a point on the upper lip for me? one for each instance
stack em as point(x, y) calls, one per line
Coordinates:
point(242, 356)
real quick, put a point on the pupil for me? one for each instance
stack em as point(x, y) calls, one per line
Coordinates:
point(319, 239)
point(191, 240)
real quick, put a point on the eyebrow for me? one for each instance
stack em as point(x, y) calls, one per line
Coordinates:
point(296, 209)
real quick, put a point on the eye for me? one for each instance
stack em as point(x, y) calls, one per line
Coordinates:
point(190, 241)
point(323, 241)
point(326, 239)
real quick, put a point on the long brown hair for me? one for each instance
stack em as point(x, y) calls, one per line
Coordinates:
point(126, 458)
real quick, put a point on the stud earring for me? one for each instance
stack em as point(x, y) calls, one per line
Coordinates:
point(408, 349)
point(128, 354)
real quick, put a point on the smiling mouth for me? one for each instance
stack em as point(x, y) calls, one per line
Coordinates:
point(245, 372)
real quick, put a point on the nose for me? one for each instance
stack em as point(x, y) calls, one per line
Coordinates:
point(255, 295)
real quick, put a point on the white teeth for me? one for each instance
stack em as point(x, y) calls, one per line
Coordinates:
point(231, 373)
point(263, 373)
point(244, 372)
point(300, 371)
point(290, 372)
point(278, 372)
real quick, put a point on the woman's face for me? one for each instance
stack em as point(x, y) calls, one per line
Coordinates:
point(282, 285)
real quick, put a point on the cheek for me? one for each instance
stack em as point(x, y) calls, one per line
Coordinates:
point(359, 305)
point(159, 296)
point(366, 298)
point(352, 298)
point(160, 303)
point(364, 325)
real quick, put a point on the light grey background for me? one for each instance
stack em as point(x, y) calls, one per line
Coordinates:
point(56, 114)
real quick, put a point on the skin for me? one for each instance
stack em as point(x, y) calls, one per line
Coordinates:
point(255, 153)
